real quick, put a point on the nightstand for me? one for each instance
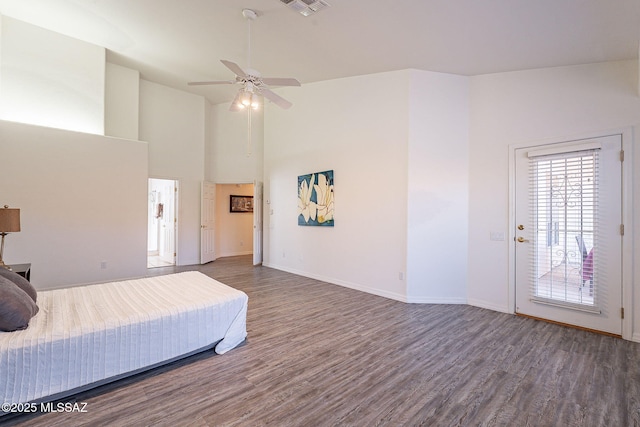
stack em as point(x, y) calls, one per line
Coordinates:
point(22, 269)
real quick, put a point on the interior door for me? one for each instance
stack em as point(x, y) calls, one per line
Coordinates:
point(167, 244)
point(207, 226)
point(568, 241)
point(257, 222)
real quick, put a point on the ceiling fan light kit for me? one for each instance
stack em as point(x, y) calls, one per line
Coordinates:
point(246, 99)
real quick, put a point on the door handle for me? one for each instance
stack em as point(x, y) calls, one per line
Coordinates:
point(522, 240)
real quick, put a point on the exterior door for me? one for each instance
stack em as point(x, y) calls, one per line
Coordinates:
point(568, 242)
point(207, 226)
point(257, 223)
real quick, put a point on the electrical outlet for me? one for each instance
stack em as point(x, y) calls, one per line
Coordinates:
point(103, 265)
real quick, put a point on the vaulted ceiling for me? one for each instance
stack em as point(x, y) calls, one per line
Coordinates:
point(175, 41)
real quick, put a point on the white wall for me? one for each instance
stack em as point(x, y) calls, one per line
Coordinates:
point(63, 80)
point(533, 105)
point(173, 123)
point(357, 127)
point(231, 160)
point(49, 79)
point(82, 200)
point(438, 181)
point(208, 141)
point(122, 100)
point(234, 231)
point(228, 156)
point(400, 158)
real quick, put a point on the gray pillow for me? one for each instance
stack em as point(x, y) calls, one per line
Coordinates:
point(16, 307)
point(21, 282)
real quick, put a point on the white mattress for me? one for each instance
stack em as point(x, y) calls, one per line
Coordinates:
point(86, 334)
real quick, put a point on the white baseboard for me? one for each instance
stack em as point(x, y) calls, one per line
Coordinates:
point(227, 254)
point(488, 306)
point(437, 300)
point(370, 290)
point(346, 284)
point(635, 337)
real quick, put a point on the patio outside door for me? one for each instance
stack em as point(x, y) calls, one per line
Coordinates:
point(568, 241)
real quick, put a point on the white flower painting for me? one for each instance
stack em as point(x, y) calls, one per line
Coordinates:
point(315, 199)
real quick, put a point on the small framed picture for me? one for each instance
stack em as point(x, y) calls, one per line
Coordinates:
point(241, 204)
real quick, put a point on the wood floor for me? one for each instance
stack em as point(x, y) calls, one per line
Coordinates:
point(323, 355)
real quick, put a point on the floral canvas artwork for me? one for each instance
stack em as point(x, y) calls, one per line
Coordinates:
point(315, 199)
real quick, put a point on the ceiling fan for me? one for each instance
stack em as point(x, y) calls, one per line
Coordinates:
point(253, 85)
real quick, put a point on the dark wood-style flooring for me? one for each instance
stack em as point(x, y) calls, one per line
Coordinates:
point(322, 355)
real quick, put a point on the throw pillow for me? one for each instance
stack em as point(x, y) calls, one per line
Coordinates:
point(16, 307)
point(21, 282)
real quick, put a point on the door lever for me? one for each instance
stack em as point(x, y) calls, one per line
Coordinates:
point(522, 240)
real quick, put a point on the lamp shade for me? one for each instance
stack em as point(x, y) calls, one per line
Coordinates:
point(9, 220)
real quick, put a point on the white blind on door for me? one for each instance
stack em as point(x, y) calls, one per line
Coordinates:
point(564, 209)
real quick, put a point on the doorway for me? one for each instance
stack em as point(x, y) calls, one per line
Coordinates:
point(234, 224)
point(162, 222)
point(568, 241)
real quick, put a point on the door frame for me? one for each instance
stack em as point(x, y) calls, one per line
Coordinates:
point(176, 201)
point(212, 222)
point(627, 217)
point(257, 217)
point(258, 212)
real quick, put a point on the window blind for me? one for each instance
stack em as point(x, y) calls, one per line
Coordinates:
point(563, 202)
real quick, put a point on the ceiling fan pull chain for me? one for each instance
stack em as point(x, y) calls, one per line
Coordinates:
point(249, 131)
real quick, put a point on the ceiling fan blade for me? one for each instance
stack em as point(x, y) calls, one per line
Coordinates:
point(234, 67)
point(280, 81)
point(216, 82)
point(276, 99)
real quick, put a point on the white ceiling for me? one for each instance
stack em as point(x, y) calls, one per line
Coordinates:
point(175, 41)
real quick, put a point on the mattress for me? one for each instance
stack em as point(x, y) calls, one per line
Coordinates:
point(84, 335)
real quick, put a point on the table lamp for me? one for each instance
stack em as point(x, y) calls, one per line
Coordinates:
point(9, 223)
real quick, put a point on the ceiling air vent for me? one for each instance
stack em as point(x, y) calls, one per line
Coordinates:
point(306, 7)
